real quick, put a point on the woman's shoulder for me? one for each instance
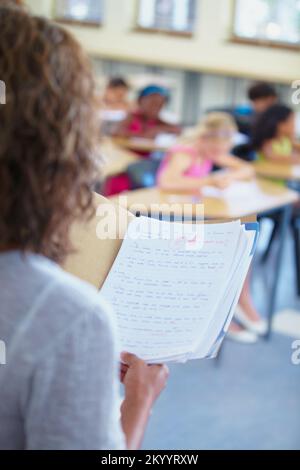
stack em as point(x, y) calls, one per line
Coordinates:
point(79, 299)
point(52, 307)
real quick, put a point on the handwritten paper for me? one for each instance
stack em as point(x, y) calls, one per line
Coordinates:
point(166, 295)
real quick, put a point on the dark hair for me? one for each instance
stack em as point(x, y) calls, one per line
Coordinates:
point(117, 82)
point(261, 90)
point(48, 134)
point(266, 125)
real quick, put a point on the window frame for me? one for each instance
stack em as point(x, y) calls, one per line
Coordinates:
point(163, 31)
point(260, 42)
point(70, 21)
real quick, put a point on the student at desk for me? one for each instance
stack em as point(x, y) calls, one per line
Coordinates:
point(145, 122)
point(189, 168)
point(115, 97)
point(274, 136)
point(59, 387)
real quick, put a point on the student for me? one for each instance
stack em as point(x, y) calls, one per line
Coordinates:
point(188, 168)
point(59, 387)
point(274, 135)
point(145, 122)
point(262, 96)
point(115, 97)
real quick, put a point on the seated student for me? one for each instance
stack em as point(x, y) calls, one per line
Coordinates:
point(145, 122)
point(262, 95)
point(59, 388)
point(274, 135)
point(188, 168)
point(115, 97)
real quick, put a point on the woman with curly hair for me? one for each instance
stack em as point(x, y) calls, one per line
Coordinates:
point(59, 385)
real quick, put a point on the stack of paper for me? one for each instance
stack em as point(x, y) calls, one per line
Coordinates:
point(175, 287)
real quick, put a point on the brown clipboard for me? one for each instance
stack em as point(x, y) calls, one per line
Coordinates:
point(93, 257)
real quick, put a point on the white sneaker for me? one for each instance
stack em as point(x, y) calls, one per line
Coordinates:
point(258, 327)
point(242, 336)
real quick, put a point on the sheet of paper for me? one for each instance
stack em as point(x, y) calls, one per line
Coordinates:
point(164, 294)
point(226, 309)
point(248, 193)
point(296, 171)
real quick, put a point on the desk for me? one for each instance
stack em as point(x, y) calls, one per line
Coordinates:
point(263, 197)
point(136, 144)
point(115, 159)
point(290, 174)
point(278, 171)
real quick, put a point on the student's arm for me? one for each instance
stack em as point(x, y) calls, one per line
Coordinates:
point(296, 145)
point(271, 156)
point(173, 177)
point(239, 169)
point(152, 132)
point(143, 384)
point(122, 129)
point(296, 152)
point(166, 128)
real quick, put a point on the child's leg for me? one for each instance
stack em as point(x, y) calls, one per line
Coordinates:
point(246, 302)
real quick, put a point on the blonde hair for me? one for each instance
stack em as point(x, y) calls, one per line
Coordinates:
point(218, 125)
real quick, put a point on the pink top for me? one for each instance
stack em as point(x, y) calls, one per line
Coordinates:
point(138, 125)
point(197, 169)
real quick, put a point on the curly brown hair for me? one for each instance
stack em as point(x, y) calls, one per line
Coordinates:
point(48, 135)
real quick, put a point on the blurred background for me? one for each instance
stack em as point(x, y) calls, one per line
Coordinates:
point(207, 51)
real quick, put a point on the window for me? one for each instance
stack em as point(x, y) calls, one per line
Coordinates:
point(79, 11)
point(167, 15)
point(273, 21)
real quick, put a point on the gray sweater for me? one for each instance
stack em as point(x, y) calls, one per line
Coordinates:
point(59, 387)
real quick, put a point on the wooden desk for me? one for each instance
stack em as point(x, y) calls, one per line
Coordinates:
point(278, 171)
point(115, 159)
point(136, 144)
point(263, 196)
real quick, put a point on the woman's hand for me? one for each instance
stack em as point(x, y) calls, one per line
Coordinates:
point(222, 181)
point(143, 384)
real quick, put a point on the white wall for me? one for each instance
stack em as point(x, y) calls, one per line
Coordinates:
point(209, 50)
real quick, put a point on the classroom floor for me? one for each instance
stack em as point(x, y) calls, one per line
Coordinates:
point(250, 398)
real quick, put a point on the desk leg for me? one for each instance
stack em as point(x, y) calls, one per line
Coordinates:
point(283, 230)
point(296, 233)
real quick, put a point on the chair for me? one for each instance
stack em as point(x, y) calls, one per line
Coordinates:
point(142, 174)
point(244, 151)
